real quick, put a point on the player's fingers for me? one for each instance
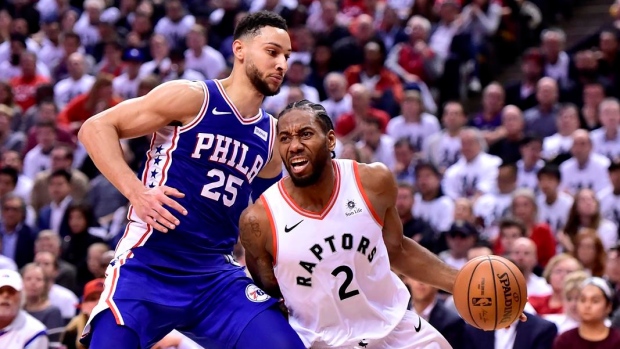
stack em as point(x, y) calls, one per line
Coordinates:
point(172, 192)
point(523, 317)
point(166, 218)
point(175, 205)
point(152, 222)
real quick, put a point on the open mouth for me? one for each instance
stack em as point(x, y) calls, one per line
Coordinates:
point(298, 165)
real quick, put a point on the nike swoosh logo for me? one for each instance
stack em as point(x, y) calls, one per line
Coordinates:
point(287, 229)
point(215, 112)
point(417, 328)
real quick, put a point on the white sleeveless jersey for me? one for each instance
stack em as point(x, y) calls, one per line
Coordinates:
point(333, 267)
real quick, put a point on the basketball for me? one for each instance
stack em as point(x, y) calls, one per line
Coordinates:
point(490, 292)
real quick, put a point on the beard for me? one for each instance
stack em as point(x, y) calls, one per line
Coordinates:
point(259, 84)
point(317, 167)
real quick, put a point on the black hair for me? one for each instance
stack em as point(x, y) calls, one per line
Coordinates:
point(11, 172)
point(251, 24)
point(550, 170)
point(61, 173)
point(317, 110)
point(509, 222)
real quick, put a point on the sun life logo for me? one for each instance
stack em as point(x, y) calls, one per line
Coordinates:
point(353, 209)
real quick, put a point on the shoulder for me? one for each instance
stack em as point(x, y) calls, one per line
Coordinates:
point(376, 178)
point(254, 214)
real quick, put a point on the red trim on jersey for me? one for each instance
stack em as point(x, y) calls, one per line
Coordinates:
point(272, 137)
point(173, 145)
point(243, 120)
point(149, 230)
point(310, 214)
point(110, 302)
point(149, 157)
point(358, 180)
point(274, 233)
point(201, 113)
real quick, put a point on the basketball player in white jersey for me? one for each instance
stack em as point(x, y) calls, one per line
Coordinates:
point(326, 239)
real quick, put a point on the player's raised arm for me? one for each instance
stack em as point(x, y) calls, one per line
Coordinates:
point(172, 102)
point(256, 237)
point(406, 256)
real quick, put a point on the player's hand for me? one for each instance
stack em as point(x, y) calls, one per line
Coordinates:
point(522, 318)
point(149, 206)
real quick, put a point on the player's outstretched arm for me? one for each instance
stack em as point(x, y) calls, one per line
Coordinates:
point(256, 237)
point(406, 256)
point(176, 101)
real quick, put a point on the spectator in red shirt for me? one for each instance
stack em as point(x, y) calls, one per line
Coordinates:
point(387, 90)
point(99, 98)
point(348, 126)
point(555, 273)
point(524, 207)
point(25, 85)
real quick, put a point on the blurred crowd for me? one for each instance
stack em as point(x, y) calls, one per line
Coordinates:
point(533, 174)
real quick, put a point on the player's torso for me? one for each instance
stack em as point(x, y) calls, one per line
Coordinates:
point(333, 268)
point(212, 160)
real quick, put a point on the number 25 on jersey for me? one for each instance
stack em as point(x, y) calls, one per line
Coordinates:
point(230, 183)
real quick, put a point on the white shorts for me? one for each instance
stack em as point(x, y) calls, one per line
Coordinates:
point(405, 336)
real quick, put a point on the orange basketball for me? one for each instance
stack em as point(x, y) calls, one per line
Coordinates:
point(490, 292)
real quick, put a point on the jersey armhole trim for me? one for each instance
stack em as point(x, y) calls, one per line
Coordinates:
point(358, 181)
point(201, 113)
point(37, 335)
point(274, 233)
point(272, 137)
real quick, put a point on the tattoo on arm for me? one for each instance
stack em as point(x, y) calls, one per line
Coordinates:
point(261, 260)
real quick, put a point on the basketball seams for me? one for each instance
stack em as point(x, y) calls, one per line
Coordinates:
point(516, 281)
point(473, 272)
point(495, 290)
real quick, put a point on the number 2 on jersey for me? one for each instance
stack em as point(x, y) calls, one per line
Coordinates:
point(342, 291)
point(232, 183)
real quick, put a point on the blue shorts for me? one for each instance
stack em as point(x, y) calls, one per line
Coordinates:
point(149, 293)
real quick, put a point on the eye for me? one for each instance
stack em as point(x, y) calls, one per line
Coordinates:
point(271, 52)
point(287, 57)
point(306, 134)
point(284, 139)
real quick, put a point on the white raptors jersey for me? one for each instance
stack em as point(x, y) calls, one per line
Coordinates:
point(333, 267)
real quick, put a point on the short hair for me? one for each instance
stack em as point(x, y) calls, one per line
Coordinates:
point(61, 173)
point(509, 222)
point(573, 282)
point(315, 108)
point(46, 123)
point(11, 172)
point(11, 196)
point(554, 261)
point(403, 142)
point(550, 170)
point(405, 185)
point(253, 23)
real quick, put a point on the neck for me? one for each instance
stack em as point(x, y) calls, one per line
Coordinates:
point(9, 227)
point(4, 322)
point(420, 305)
point(550, 199)
point(371, 69)
point(314, 197)
point(197, 51)
point(586, 221)
point(593, 329)
point(514, 136)
point(35, 303)
point(453, 133)
point(616, 190)
point(361, 112)
point(582, 161)
point(242, 94)
point(430, 195)
point(546, 107)
point(411, 117)
point(406, 217)
point(611, 133)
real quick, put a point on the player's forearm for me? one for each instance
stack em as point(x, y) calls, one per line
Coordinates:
point(420, 264)
point(102, 143)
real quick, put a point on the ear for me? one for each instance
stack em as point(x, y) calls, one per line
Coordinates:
point(331, 140)
point(238, 49)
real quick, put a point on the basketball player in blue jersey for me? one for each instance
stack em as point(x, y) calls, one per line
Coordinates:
point(211, 150)
point(327, 238)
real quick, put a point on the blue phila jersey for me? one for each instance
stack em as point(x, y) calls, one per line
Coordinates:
point(212, 160)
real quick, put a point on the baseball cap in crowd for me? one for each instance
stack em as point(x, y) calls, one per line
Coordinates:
point(93, 289)
point(11, 278)
point(133, 55)
point(602, 285)
point(462, 228)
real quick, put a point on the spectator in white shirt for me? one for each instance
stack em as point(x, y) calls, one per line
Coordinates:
point(126, 84)
point(606, 140)
point(59, 296)
point(338, 100)
point(201, 57)
point(76, 84)
point(560, 143)
point(541, 119)
point(524, 254)
point(553, 205)
point(38, 158)
point(296, 76)
point(610, 196)
point(377, 146)
point(460, 238)
point(178, 70)
point(24, 184)
point(584, 169)
point(431, 204)
point(413, 124)
point(19, 329)
point(443, 149)
point(557, 61)
point(86, 26)
point(530, 163)
point(51, 52)
point(160, 65)
point(475, 173)
point(493, 206)
point(176, 24)
point(405, 161)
